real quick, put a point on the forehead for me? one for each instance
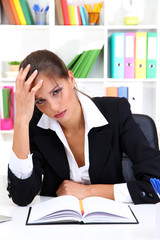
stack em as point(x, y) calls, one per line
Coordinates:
point(47, 80)
point(47, 85)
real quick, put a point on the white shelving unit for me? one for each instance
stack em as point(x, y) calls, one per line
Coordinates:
point(18, 41)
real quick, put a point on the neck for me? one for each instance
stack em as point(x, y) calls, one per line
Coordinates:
point(76, 123)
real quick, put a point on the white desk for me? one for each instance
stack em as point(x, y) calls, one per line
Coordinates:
point(17, 230)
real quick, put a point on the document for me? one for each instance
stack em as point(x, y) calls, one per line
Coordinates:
point(117, 55)
point(151, 54)
point(69, 209)
point(129, 58)
point(140, 55)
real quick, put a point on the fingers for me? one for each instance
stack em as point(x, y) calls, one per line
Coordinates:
point(30, 80)
point(22, 76)
point(18, 77)
point(35, 88)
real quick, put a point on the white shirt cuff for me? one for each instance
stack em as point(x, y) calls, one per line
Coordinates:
point(21, 168)
point(121, 193)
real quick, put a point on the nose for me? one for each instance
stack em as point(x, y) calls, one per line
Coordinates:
point(54, 105)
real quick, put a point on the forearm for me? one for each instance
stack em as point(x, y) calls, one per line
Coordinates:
point(21, 139)
point(101, 190)
point(25, 102)
point(82, 191)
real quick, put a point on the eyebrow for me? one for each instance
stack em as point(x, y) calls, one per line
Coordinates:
point(49, 93)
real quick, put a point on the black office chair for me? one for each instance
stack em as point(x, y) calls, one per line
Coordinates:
point(148, 127)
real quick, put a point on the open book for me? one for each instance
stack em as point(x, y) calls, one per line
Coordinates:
point(69, 209)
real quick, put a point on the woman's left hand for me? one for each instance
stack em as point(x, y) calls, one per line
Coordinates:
point(68, 187)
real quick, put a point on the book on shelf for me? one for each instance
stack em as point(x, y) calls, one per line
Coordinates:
point(20, 13)
point(83, 62)
point(0, 14)
point(73, 15)
point(83, 15)
point(14, 12)
point(65, 12)
point(69, 13)
point(69, 209)
point(123, 91)
point(114, 91)
point(6, 102)
point(79, 15)
point(8, 11)
point(6, 107)
point(59, 12)
point(27, 12)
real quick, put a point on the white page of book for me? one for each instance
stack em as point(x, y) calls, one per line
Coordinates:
point(54, 205)
point(98, 204)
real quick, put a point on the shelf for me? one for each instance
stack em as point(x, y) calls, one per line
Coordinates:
point(97, 80)
point(136, 80)
point(88, 80)
point(6, 131)
point(86, 27)
point(23, 27)
point(132, 27)
point(7, 80)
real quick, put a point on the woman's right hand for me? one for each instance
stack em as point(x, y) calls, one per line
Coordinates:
point(25, 95)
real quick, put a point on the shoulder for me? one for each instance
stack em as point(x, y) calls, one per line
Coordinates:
point(116, 110)
point(111, 104)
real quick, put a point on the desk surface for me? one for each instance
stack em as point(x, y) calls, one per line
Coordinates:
point(16, 229)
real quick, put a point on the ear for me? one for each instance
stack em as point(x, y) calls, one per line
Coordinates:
point(71, 78)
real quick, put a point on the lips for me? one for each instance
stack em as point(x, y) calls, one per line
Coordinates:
point(61, 114)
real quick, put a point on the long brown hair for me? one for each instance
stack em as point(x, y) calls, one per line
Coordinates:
point(45, 62)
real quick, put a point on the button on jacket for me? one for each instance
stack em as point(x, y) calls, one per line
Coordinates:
point(106, 145)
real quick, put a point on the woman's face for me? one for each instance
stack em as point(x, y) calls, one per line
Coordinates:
point(56, 99)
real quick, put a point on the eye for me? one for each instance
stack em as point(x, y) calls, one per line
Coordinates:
point(39, 101)
point(55, 92)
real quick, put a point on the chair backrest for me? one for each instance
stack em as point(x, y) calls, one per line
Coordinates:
point(148, 127)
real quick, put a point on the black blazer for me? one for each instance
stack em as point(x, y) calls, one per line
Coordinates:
point(106, 145)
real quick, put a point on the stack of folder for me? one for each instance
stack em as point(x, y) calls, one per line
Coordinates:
point(82, 63)
point(133, 55)
point(6, 107)
point(18, 12)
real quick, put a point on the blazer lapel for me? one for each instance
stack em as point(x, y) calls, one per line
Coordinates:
point(54, 153)
point(99, 146)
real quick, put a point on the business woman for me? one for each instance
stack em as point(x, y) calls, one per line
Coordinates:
point(67, 143)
